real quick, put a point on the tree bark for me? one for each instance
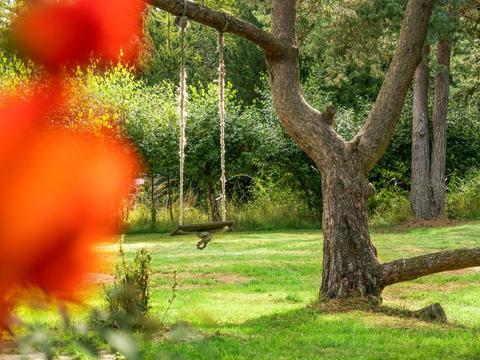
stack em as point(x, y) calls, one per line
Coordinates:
point(376, 134)
point(218, 20)
point(420, 192)
point(350, 263)
point(350, 266)
point(439, 126)
point(212, 199)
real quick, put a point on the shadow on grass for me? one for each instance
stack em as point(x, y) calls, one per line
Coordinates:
point(310, 333)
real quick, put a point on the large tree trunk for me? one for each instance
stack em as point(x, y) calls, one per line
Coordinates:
point(350, 266)
point(420, 192)
point(439, 123)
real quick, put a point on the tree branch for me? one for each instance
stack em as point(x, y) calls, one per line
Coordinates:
point(309, 128)
point(378, 130)
point(218, 20)
point(413, 268)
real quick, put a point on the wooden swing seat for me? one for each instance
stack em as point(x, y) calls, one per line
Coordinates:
point(204, 227)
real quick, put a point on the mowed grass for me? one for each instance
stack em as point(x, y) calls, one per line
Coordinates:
point(248, 296)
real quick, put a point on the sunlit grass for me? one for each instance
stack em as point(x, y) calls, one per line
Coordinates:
point(249, 295)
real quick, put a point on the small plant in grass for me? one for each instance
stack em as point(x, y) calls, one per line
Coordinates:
point(128, 299)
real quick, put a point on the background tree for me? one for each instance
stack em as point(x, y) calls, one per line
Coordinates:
point(421, 191)
point(428, 189)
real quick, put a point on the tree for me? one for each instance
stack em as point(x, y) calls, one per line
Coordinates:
point(421, 194)
point(429, 163)
point(350, 264)
point(439, 128)
point(201, 52)
point(146, 115)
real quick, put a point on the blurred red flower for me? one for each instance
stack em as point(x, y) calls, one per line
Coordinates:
point(60, 195)
point(69, 33)
point(61, 191)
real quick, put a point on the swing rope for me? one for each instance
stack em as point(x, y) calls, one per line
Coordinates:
point(221, 111)
point(183, 22)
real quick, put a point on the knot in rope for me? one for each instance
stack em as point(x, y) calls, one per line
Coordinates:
point(226, 24)
point(182, 21)
point(205, 238)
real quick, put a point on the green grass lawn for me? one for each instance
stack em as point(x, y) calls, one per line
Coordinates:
point(248, 296)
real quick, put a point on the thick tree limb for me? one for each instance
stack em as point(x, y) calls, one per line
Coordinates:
point(218, 20)
point(413, 268)
point(309, 128)
point(377, 132)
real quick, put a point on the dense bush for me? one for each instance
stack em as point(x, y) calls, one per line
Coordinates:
point(389, 206)
point(463, 197)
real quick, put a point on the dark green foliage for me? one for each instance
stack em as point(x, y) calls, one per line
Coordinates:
point(463, 197)
point(282, 161)
point(244, 61)
point(243, 136)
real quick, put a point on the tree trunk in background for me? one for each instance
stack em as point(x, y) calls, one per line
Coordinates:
point(153, 209)
point(420, 193)
point(169, 199)
point(212, 199)
point(439, 126)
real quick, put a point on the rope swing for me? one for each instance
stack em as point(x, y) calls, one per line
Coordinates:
point(182, 22)
point(221, 111)
point(202, 230)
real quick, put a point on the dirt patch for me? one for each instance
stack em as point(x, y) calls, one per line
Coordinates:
point(183, 278)
point(432, 223)
point(403, 291)
point(396, 321)
point(408, 249)
point(468, 271)
point(397, 291)
point(100, 278)
point(216, 277)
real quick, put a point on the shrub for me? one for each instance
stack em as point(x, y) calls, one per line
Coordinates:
point(463, 197)
point(275, 206)
point(389, 206)
point(129, 297)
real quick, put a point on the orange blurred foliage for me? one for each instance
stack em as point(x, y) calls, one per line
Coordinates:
point(70, 33)
point(61, 193)
point(61, 190)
